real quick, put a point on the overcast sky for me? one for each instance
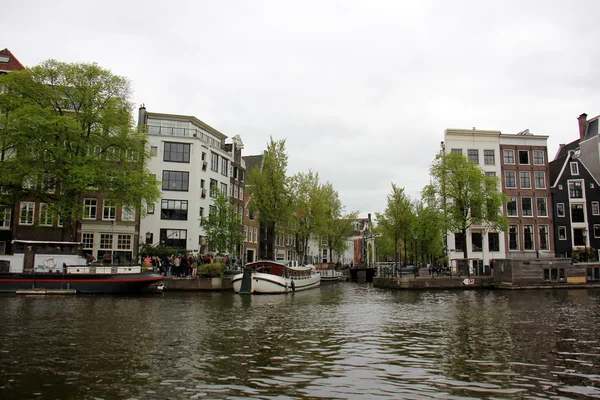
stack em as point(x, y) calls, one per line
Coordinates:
point(362, 91)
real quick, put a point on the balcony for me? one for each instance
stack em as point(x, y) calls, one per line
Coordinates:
point(184, 132)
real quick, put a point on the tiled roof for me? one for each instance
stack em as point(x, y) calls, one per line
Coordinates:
point(252, 161)
point(12, 65)
point(564, 149)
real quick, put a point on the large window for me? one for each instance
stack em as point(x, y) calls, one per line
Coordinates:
point(213, 188)
point(526, 207)
point(513, 237)
point(477, 241)
point(175, 180)
point(523, 157)
point(106, 241)
point(90, 208)
point(577, 214)
point(45, 215)
point(456, 151)
point(542, 207)
point(509, 156)
point(224, 188)
point(224, 166)
point(528, 243)
point(177, 152)
point(473, 155)
point(459, 240)
point(511, 207)
point(525, 179)
point(124, 242)
point(579, 237)
point(109, 211)
point(540, 179)
point(538, 157)
point(489, 157)
point(493, 241)
point(575, 190)
point(175, 238)
point(174, 210)
point(214, 162)
point(5, 216)
point(510, 178)
point(543, 232)
point(128, 212)
point(87, 240)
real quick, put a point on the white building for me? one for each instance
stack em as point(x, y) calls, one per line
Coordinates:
point(191, 160)
point(483, 148)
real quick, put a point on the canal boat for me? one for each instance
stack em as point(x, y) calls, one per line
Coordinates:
point(273, 277)
point(329, 275)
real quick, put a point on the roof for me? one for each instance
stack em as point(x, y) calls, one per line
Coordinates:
point(564, 149)
point(12, 64)
point(252, 161)
point(189, 118)
point(592, 128)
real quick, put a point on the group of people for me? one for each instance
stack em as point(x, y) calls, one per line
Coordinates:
point(176, 265)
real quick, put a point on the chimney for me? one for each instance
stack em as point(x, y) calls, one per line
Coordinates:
point(582, 125)
point(142, 116)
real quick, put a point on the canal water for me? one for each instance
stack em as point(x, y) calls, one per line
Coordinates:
point(345, 341)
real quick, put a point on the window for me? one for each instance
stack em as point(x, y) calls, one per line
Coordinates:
point(595, 208)
point(150, 208)
point(562, 233)
point(523, 157)
point(214, 162)
point(124, 242)
point(528, 243)
point(87, 239)
point(224, 188)
point(491, 174)
point(106, 241)
point(509, 156)
point(526, 207)
point(489, 157)
point(224, 166)
point(241, 193)
point(493, 241)
point(90, 207)
point(543, 233)
point(246, 233)
point(174, 210)
point(473, 155)
point(45, 215)
point(177, 152)
point(525, 179)
point(255, 235)
point(241, 175)
point(213, 188)
point(175, 238)
point(109, 211)
point(510, 178)
point(579, 237)
point(574, 168)
point(477, 241)
point(560, 209)
point(577, 214)
point(511, 207)
point(175, 180)
point(538, 157)
point(153, 150)
point(5, 216)
point(456, 151)
point(575, 190)
point(542, 207)
point(540, 179)
point(513, 237)
point(459, 241)
point(597, 230)
point(128, 213)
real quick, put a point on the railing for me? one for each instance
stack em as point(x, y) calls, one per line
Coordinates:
point(184, 132)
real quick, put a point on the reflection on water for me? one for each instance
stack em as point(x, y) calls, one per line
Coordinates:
point(337, 342)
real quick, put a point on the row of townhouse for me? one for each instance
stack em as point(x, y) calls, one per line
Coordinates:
point(552, 206)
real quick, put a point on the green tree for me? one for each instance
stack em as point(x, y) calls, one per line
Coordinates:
point(309, 209)
point(268, 188)
point(429, 231)
point(222, 226)
point(396, 220)
point(466, 196)
point(67, 130)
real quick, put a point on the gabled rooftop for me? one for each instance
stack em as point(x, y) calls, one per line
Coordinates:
point(8, 62)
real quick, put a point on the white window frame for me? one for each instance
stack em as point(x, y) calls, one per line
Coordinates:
point(534, 157)
point(563, 228)
point(109, 208)
point(29, 208)
point(88, 208)
point(485, 156)
point(558, 207)
point(516, 201)
point(574, 168)
point(535, 174)
point(547, 233)
point(537, 207)
point(105, 238)
point(528, 158)
point(595, 208)
point(86, 237)
point(5, 217)
point(532, 230)
point(128, 213)
point(45, 217)
point(508, 151)
point(517, 241)
point(506, 173)
point(521, 180)
point(522, 209)
point(124, 241)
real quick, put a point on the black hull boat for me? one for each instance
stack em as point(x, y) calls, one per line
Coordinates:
point(82, 280)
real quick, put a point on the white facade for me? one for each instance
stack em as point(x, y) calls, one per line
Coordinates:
point(189, 158)
point(483, 147)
